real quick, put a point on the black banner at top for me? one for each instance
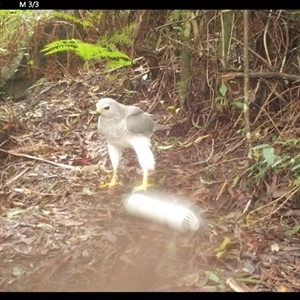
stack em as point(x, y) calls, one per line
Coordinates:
point(68, 5)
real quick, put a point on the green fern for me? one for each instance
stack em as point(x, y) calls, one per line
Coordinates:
point(88, 51)
point(68, 17)
point(117, 63)
point(59, 46)
point(123, 37)
point(94, 15)
point(175, 15)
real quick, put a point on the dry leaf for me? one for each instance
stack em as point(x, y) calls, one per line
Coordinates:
point(275, 247)
point(281, 191)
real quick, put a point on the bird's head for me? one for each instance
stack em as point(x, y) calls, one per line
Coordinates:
point(107, 107)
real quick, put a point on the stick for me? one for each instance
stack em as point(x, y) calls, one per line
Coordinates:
point(42, 159)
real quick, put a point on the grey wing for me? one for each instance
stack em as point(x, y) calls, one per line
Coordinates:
point(158, 127)
point(140, 123)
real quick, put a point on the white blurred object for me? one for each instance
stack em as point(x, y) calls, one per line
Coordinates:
point(176, 217)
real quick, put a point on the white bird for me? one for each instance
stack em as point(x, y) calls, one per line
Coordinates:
point(125, 126)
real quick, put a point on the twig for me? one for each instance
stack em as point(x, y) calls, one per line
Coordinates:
point(180, 21)
point(265, 41)
point(15, 178)
point(42, 160)
point(234, 286)
point(210, 155)
point(258, 75)
point(246, 88)
point(3, 143)
point(221, 191)
point(290, 194)
point(191, 141)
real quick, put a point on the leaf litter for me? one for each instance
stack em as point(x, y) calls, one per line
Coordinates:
point(60, 232)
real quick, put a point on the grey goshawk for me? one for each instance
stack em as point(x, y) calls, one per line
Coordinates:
point(127, 127)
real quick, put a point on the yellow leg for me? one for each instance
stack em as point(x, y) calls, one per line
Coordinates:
point(143, 186)
point(113, 181)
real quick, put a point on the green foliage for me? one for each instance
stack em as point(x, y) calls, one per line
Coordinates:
point(268, 154)
point(112, 64)
point(294, 230)
point(69, 17)
point(106, 48)
point(123, 37)
point(15, 20)
point(94, 16)
point(16, 27)
point(8, 14)
point(223, 89)
point(88, 52)
point(267, 160)
point(223, 248)
point(176, 15)
point(239, 104)
point(250, 280)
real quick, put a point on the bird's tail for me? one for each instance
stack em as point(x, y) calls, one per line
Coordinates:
point(160, 127)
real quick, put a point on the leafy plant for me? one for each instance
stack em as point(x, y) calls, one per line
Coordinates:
point(222, 249)
point(222, 98)
point(88, 52)
point(266, 160)
point(176, 15)
point(123, 37)
point(223, 91)
point(69, 17)
point(106, 48)
point(293, 230)
point(268, 154)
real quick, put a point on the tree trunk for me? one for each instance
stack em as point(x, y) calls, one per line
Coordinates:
point(186, 53)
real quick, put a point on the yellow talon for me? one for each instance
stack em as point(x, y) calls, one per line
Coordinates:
point(144, 185)
point(141, 187)
point(112, 183)
point(102, 185)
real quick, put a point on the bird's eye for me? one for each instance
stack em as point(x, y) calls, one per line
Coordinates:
point(106, 107)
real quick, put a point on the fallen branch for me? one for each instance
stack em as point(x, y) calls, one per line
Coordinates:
point(41, 159)
point(274, 75)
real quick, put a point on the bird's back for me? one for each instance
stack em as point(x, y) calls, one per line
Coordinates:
point(116, 133)
point(127, 126)
point(140, 122)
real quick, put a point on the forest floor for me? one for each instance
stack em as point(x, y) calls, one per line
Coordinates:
point(59, 231)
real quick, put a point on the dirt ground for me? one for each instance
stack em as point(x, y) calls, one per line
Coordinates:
point(59, 231)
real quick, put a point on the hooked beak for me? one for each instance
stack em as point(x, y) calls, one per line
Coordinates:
point(100, 111)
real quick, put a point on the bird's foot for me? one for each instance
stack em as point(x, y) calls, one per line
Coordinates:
point(111, 184)
point(142, 187)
